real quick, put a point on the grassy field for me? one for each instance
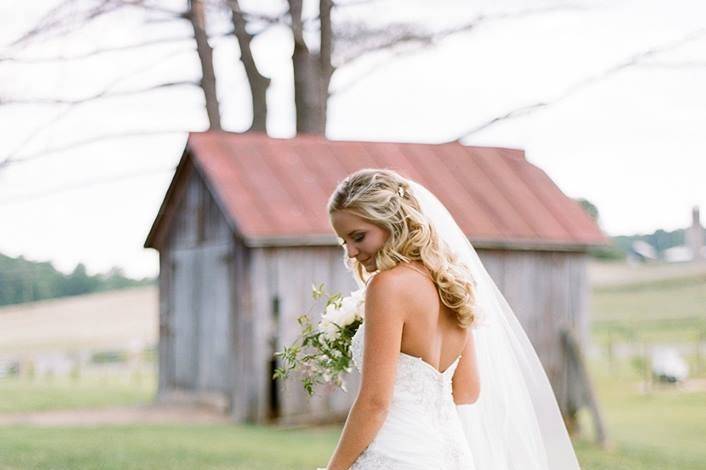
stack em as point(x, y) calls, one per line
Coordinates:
point(21, 395)
point(113, 319)
point(661, 430)
point(658, 431)
point(649, 304)
point(164, 447)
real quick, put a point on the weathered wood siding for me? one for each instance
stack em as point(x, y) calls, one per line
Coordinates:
point(195, 310)
point(547, 291)
point(245, 371)
point(288, 274)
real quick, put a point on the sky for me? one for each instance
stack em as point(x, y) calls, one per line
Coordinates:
point(632, 142)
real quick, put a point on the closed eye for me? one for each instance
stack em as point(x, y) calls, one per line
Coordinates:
point(357, 239)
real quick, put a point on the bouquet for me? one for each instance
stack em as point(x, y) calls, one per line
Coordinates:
point(321, 353)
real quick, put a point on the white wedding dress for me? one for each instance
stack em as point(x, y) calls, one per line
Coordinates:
point(422, 430)
point(515, 424)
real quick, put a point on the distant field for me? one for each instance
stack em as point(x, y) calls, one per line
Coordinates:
point(64, 393)
point(652, 304)
point(661, 431)
point(612, 274)
point(115, 319)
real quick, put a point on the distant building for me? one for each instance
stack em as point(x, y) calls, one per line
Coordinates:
point(693, 249)
point(641, 251)
point(695, 235)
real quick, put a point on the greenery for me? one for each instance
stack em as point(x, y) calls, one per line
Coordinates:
point(665, 310)
point(659, 239)
point(19, 395)
point(662, 430)
point(321, 358)
point(622, 244)
point(22, 280)
point(165, 447)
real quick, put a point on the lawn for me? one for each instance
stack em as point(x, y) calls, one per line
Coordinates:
point(164, 447)
point(661, 430)
point(24, 395)
point(668, 310)
point(658, 431)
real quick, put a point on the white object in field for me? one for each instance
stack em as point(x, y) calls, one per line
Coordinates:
point(668, 365)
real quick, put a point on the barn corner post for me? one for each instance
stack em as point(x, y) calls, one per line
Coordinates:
point(164, 327)
point(242, 333)
point(581, 391)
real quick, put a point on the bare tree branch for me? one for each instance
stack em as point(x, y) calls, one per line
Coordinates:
point(674, 65)
point(86, 184)
point(149, 6)
point(268, 20)
point(84, 142)
point(258, 83)
point(631, 61)
point(59, 21)
point(381, 64)
point(87, 55)
point(97, 96)
point(393, 35)
point(69, 109)
point(197, 18)
point(354, 3)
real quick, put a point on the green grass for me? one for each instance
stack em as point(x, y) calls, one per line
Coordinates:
point(164, 447)
point(658, 431)
point(669, 310)
point(662, 430)
point(22, 395)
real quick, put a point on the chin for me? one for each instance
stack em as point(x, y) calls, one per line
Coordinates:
point(368, 266)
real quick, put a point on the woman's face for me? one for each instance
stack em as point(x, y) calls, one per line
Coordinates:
point(361, 239)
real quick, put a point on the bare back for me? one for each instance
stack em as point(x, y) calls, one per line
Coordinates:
point(430, 331)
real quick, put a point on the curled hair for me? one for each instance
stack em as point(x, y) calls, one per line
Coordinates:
point(382, 197)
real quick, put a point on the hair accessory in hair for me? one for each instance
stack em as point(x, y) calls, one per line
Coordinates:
point(400, 190)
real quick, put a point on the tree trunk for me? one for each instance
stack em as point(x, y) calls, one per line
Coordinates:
point(325, 66)
point(258, 83)
point(312, 71)
point(197, 17)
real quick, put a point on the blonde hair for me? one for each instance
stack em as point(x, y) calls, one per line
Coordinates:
point(382, 197)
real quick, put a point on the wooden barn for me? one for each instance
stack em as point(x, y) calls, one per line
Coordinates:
point(243, 234)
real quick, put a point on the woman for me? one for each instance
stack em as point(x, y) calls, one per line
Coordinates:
point(449, 380)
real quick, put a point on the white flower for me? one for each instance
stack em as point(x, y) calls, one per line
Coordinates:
point(350, 311)
point(328, 328)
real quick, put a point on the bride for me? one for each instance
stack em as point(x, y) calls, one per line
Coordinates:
point(449, 380)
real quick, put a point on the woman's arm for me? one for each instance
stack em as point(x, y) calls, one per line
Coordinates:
point(384, 319)
point(466, 379)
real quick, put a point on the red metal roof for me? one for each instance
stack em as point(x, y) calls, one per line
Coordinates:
point(272, 189)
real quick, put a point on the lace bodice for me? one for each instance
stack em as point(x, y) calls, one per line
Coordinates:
point(416, 379)
point(422, 398)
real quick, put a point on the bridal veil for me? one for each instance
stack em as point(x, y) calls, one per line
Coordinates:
point(515, 423)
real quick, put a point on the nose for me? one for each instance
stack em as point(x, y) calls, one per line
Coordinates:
point(352, 253)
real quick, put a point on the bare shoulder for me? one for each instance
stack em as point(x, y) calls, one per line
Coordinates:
point(400, 285)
